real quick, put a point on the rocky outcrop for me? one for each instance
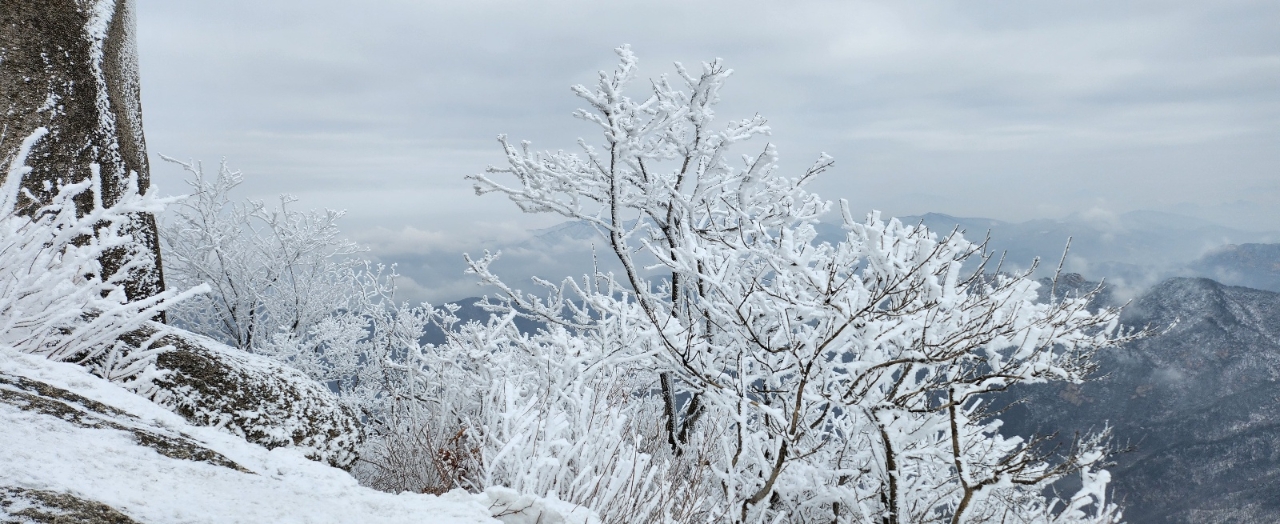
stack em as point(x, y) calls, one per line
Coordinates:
point(256, 398)
point(75, 448)
point(24, 506)
point(38, 397)
point(70, 66)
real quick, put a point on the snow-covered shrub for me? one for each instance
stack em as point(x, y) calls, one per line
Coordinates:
point(272, 272)
point(799, 381)
point(373, 354)
point(497, 407)
point(56, 302)
point(55, 299)
point(551, 419)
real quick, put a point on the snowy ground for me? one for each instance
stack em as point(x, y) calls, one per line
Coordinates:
point(39, 451)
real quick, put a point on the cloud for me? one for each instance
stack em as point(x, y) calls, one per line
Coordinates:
point(410, 240)
point(987, 109)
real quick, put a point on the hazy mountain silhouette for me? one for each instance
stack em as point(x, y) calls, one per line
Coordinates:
point(1250, 265)
point(1132, 251)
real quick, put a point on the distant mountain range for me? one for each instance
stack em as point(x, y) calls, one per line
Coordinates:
point(1249, 265)
point(1132, 251)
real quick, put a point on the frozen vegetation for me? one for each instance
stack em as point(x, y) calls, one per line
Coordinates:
point(735, 369)
point(738, 350)
point(71, 433)
point(83, 441)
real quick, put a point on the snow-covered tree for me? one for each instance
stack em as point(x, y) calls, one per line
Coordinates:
point(283, 284)
point(796, 380)
point(274, 272)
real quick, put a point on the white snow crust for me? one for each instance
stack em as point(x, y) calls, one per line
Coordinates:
point(43, 452)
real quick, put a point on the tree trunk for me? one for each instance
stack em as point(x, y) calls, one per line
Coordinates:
point(71, 66)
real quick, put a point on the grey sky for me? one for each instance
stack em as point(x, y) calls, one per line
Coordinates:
point(1008, 110)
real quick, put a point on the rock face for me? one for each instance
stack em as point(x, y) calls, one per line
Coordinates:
point(39, 397)
point(70, 66)
point(256, 398)
point(1198, 403)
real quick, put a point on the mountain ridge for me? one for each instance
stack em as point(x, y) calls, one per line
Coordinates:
point(1199, 402)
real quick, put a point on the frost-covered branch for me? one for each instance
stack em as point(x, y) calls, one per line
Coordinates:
point(846, 377)
point(55, 298)
point(273, 272)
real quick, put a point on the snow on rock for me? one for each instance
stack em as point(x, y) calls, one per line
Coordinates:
point(511, 507)
point(254, 397)
point(40, 398)
point(32, 506)
point(53, 466)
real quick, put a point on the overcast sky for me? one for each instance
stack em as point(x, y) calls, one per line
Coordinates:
point(1007, 110)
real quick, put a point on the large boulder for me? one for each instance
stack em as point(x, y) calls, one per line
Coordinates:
point(254, 397)
point(70, 66)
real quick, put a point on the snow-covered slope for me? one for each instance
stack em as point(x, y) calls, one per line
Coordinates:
point(77, 446)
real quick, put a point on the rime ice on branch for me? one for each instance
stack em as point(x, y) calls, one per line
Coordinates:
point(806, 381)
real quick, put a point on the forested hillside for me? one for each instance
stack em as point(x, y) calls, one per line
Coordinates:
point(1196, 405)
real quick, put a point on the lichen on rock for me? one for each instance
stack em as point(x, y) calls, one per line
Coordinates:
point(20, 505)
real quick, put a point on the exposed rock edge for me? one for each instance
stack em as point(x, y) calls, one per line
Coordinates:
point(261, 400)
